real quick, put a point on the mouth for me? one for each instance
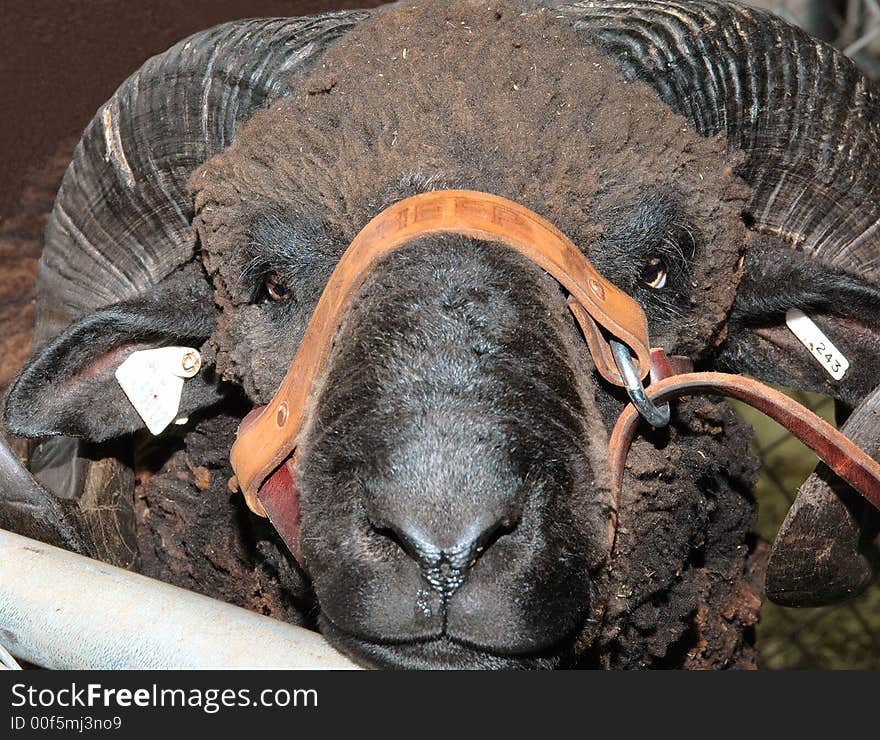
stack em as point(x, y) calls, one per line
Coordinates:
point(440, 652)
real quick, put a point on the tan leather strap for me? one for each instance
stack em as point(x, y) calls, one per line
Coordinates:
point(269, 438)
point(840, 454)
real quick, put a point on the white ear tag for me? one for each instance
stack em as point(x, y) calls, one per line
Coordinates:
point(820, 346)
point(153, 381)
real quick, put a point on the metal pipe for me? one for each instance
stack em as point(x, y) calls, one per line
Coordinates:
point(64, 611)
point(7, 662)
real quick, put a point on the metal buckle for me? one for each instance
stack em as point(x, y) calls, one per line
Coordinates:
point(657, 416)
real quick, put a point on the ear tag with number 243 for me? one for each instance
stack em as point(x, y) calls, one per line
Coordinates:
point(820, 346)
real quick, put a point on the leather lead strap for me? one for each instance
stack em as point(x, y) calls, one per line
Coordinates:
point(268, 439)
point(840, 454)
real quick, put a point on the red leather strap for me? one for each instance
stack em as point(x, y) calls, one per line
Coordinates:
point(840, 454)
point(279, 497)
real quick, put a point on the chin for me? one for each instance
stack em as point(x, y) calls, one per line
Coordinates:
point(440, 653)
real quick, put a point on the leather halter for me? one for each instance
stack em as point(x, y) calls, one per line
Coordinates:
point(266, 440)
point(267, 437)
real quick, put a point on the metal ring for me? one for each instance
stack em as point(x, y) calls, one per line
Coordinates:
point(656, 416)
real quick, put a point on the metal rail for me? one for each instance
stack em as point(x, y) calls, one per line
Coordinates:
point(64, 611)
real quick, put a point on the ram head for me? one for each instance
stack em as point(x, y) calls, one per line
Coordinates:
point(714, 163)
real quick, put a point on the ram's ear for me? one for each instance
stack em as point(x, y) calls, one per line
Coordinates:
point(69, 386)
point(844, 306)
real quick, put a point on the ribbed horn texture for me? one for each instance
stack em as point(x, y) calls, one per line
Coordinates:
point(804, 115)
point(122, 218)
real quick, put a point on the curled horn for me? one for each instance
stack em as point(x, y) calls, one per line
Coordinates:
point(122, 218)
point(776, 93)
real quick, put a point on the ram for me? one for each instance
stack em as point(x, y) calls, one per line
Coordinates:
point(450, 501)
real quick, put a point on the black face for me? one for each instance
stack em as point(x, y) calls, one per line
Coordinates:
point(447, 483)
point(452, 473)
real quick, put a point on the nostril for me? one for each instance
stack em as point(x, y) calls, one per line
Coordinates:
point(491, 535)
point(444, 559)
point(415, 549)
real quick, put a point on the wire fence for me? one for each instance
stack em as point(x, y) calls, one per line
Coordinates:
point(846, 635)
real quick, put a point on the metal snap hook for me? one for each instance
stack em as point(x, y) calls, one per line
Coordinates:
point(656, 416)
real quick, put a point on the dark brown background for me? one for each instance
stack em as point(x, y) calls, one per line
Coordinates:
point(59, 61)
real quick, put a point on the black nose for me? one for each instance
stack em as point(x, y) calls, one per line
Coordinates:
point(446, 557)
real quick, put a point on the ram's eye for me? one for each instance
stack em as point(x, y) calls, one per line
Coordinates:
point(276, 288)
point(654, 273)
